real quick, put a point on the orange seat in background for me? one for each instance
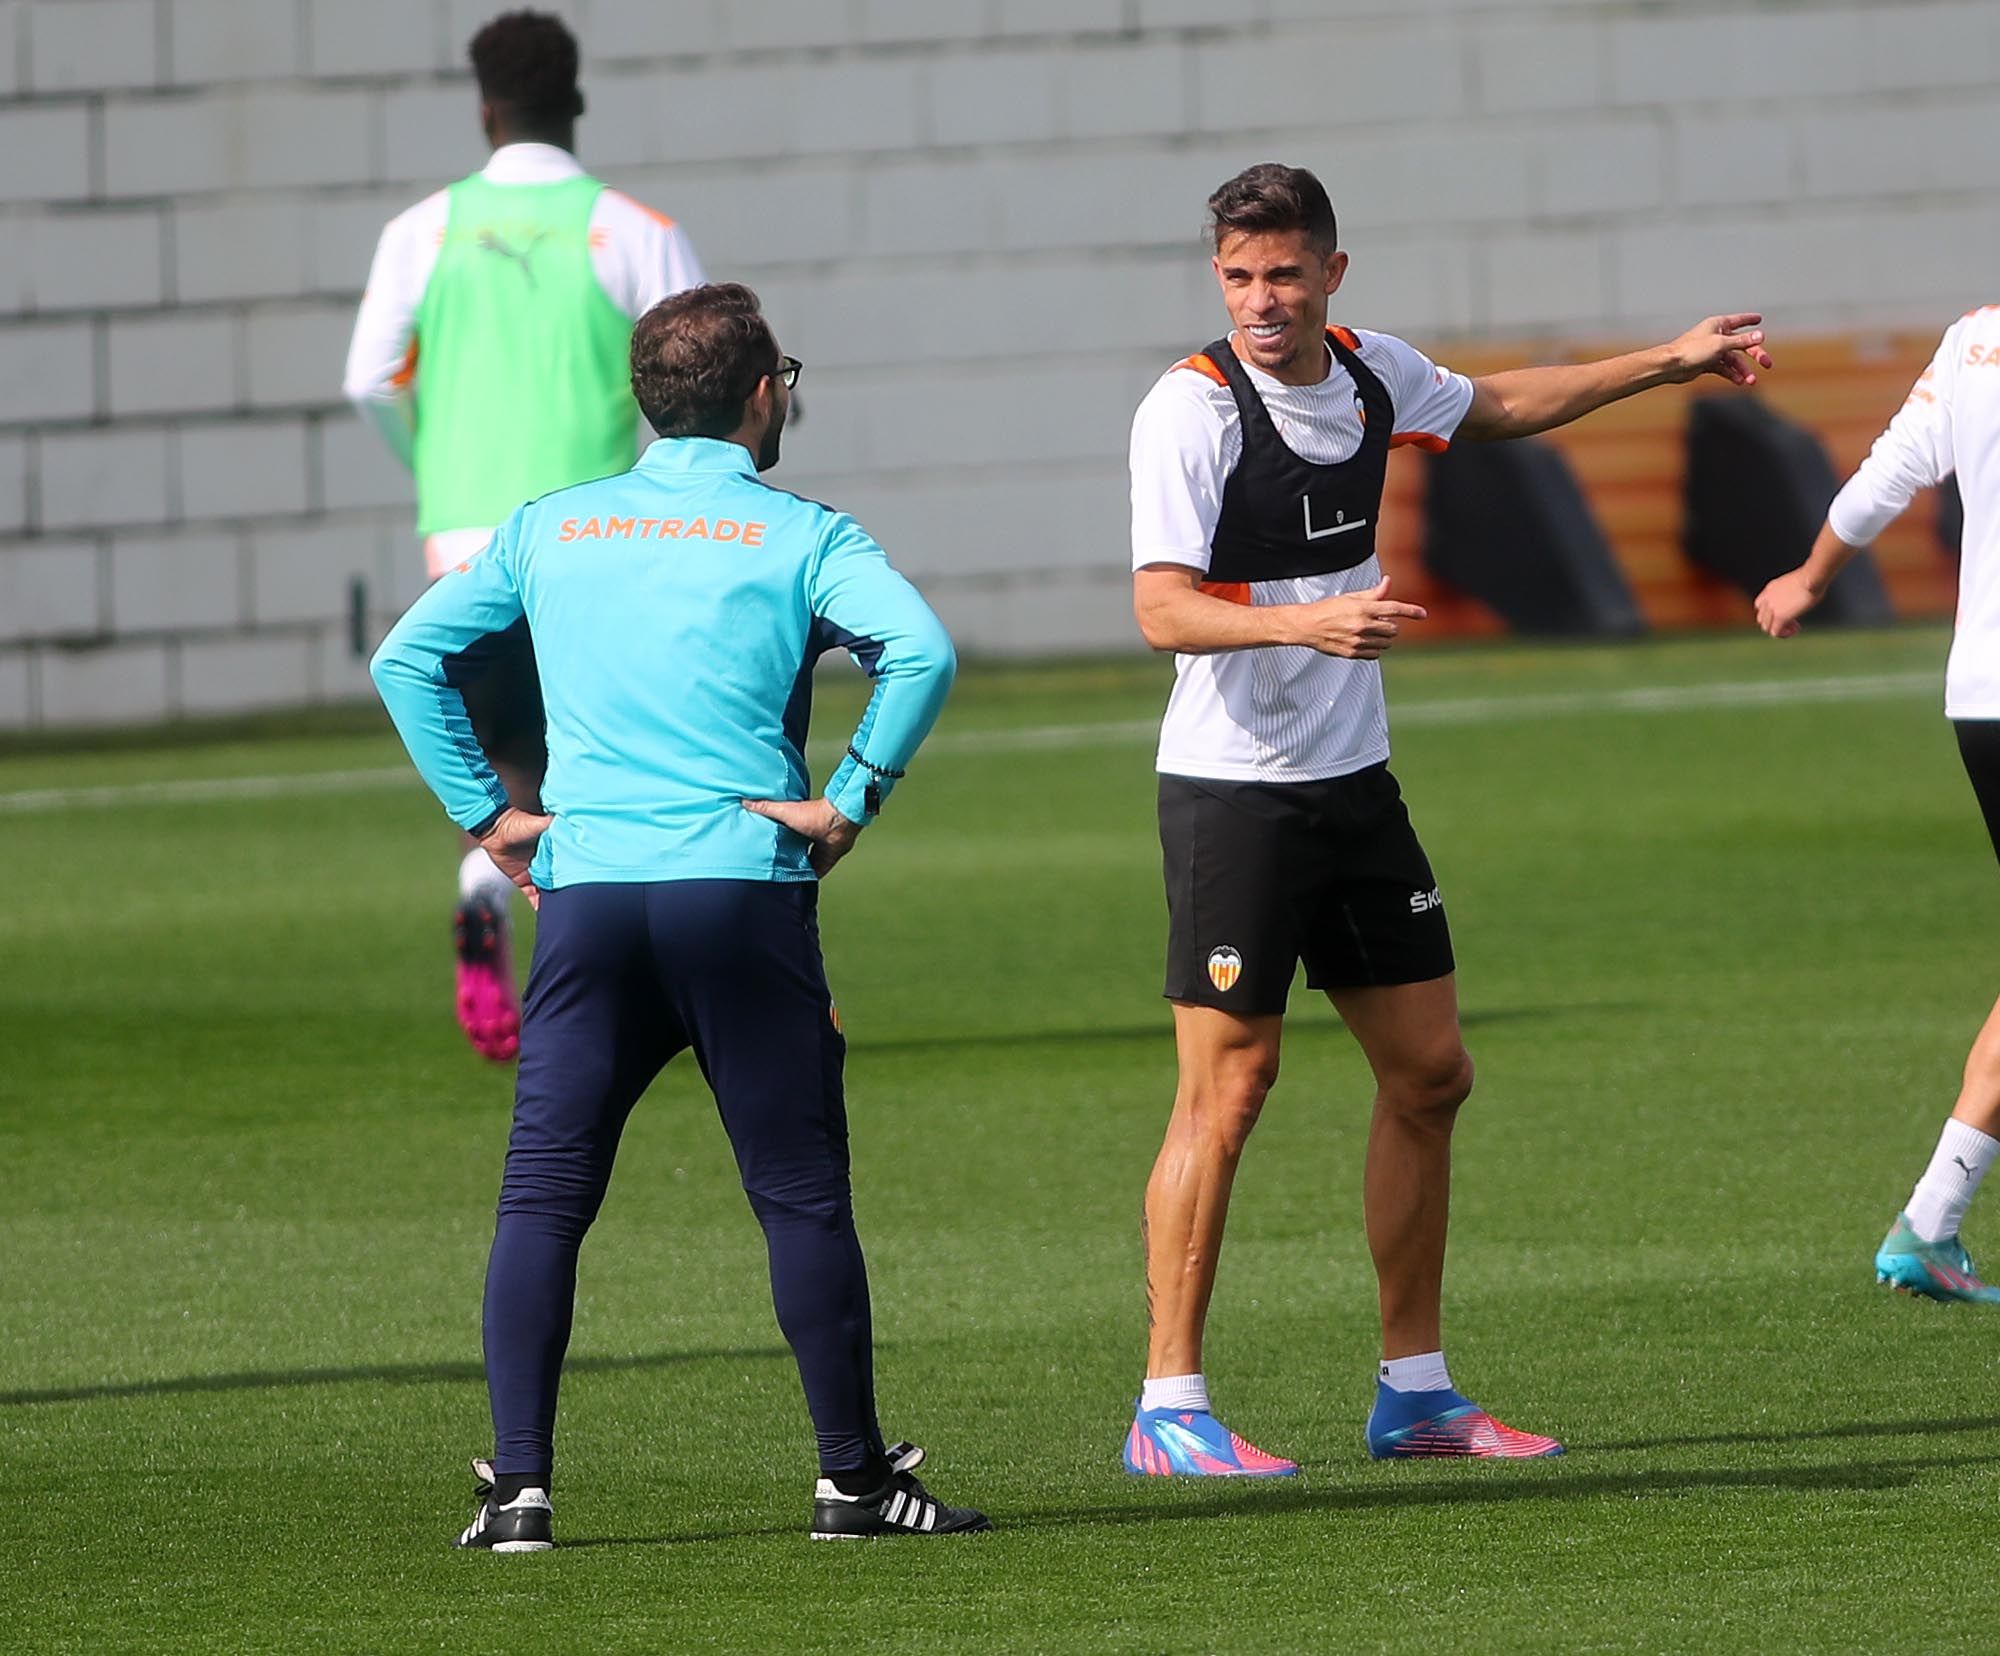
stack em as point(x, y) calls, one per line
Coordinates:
point(1630, 461)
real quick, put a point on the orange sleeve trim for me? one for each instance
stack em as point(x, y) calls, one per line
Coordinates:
point(1230, 592)
point(1429, 441)
point(402, 377)
point(658, 218)
point(1204, 364)
point(1347, 337)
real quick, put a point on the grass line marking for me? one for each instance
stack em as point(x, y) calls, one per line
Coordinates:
point(1448, 710)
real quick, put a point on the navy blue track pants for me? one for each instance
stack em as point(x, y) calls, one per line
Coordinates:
point(624, 977)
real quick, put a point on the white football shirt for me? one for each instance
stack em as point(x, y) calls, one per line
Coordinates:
point(1273, 713)
point(1950, 423)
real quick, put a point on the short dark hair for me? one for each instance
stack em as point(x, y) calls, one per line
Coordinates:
point(525, 62)
point(697, 356)
point(1270, 196)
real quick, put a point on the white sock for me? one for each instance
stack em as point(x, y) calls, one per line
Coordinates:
point(1182, 1393)
point(479, 877)
point(1937, 1206)
point(1425, 1372)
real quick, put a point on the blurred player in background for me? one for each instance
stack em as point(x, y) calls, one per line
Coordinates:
point(1950, 424)
point(1257, 470)
point(491, 353)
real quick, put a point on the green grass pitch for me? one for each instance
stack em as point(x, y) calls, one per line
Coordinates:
point(1720, 958)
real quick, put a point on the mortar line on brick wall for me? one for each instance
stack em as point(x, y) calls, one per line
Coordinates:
point(176, 494)
point(170, 276)
point(445, 49)
point(102, 558)
point(378, 142)
point(31, 488)
point(93, 141)
point(239, 361)
point(246, 579)
point(100, 368)
point(315, 434)
point(163, 42)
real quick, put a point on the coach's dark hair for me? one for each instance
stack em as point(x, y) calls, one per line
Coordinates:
point(525, 62)
point(1270, 196)
point(697, 356)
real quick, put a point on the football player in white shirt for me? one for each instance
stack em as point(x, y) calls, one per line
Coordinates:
point(1257, 470)
point(491, 353)
point(1949, 424)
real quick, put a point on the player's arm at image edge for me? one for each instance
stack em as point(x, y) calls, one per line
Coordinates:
point(1914, 451)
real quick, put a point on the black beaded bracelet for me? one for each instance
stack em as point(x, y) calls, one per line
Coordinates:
point(873, 769)
point(871, 796)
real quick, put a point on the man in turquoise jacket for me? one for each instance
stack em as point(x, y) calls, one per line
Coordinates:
point(677, 611)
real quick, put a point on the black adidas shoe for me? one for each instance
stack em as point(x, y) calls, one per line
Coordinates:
point(902, 1506)
point(524, 1524)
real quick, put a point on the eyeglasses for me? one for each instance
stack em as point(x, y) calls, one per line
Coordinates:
point(789, 369)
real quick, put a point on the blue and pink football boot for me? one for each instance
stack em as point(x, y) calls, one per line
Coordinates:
point(1179, 1443)
point(1935, 1270)
point(1442, 1424)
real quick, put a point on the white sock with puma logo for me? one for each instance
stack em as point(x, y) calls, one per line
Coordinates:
point(1937, 1206)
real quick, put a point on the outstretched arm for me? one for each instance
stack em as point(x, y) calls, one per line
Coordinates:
point(1914, 452)
point(1519, 402)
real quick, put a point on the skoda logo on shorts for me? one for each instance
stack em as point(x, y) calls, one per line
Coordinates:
point(1225, 966)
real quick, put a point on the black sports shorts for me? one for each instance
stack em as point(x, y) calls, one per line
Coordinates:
point(1979, 747)
point(1262, 875)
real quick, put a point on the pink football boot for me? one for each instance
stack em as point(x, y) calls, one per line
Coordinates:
point(489, 1008)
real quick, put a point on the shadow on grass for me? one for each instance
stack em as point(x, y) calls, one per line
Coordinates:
point(1162, 1029)
point(1259, 1499)
point(380, 1374)
point(1806, 1434)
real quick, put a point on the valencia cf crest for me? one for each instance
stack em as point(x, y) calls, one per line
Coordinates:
point(1225, 966)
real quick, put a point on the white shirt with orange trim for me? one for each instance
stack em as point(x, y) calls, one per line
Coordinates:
point(1273, 713)
point(639, 256)
point(1950, 423)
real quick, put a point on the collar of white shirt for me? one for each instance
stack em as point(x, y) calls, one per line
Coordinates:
point(531, 164)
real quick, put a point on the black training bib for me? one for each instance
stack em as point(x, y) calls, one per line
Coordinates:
point(1284, 517)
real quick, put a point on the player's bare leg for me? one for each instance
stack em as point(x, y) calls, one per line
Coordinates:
point(1227, 1066)
point(1978, 1103)
point(1922, 1253)
point(1410, 1035)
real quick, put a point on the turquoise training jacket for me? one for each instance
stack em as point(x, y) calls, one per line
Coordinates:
point(677, 611)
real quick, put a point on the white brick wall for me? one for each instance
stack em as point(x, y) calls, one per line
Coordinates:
point(976, 220)
point(176, 582)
